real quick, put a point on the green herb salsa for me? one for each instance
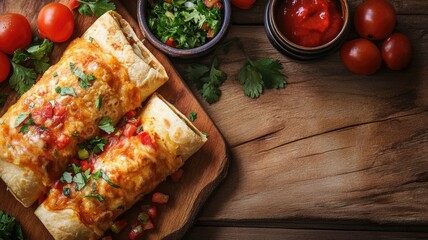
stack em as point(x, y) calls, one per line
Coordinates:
point(185, 24)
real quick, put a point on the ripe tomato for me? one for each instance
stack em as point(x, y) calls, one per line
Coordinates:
point(397, 51)
point(4, 67)
point(361, 56)
point(210, 3)
point(73, 4)
point(56, 22)
point(15, 32)
point(243, 4)
point(171, 42)
point(375, 19)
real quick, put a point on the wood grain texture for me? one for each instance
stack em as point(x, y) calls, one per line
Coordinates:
point(203, 171)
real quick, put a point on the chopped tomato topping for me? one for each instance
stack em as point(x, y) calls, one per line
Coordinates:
point(131, 114)
point(210, 3)
point(171, 42)
point(210, 33)
point(175, 177)
point(75, 162)
point(168, 1)
point(86, 165)
point(149, 225)
point(136, 232)
point(62, 141)
point(129, 130)
point(160, 198)
point(152, 211)
point(146, 140)
point(42, 198)
point(47, 111)
point(59, 110)
point(73, 4)
point(205, 26)
point(118, 225)
point(218, 5)
point(59, 185)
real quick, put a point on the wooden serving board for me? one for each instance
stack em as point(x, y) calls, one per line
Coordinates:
point(202, 172)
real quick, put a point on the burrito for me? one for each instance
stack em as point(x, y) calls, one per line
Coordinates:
point(132, 164)
point(86, 92)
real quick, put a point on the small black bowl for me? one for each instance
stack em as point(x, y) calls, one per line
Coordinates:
point(295, 51)
point(183, 53)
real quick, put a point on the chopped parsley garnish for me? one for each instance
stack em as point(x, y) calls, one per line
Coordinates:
point(10, 229)
point(75, 168)
point(107, 179)
point(66, 178)
point(95, 195)
point(106, 124)
point(24, 76)
point(82, 77)
point(97, 7)
point(26, 119)
point(3, 98)
point(43, 128)
point(67, 191)
point(91, 39)
point(21, 118)
point(99, 102)
point(55, 74)
point(75, 134)
point(184, 23)
point(94, 187)
point(95, 145)
point(63, 91)
point(81, 179)
point(55, 153)
point(205, 134)
point(96, 175)
point(193, 116)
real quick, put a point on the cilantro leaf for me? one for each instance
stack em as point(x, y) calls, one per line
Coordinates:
point(95, 145)
point(3, 99)
point(96, 175)
point(21, 118)
point(106, 124)
point(75, 168)
point(95, 195)
point(252, 81)
point(39, 52)
point(65, 91)
point(9, 227)
point(66, 178)
point(97, 7)
point(99, 102)
point(210, 92)
point(22, 78)
point(82, 77)
point(270, 72)
point(81, 180)
point(107, 179)
point(195, 71)
point(193, 116)
point(67, 191)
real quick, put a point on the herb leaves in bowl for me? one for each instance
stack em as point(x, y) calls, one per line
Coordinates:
point(185, 24)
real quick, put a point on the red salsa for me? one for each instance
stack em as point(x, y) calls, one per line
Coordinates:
point(309, 23)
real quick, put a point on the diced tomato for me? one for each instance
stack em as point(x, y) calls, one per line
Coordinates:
point(146, 139)
point(218, 5)
point(133, 121)
point(149, 225)
point(205, 26)
point(131, 114)
point(59, 185)
point(118, 225)
point(210, 3)
point(42, 198)
point(171, 42)
point(38, 117)
point(73, 4)
point(129, 130)
point(75, 162)
point(62, 141)
point(168, 1)
point(59, 110)
point(160, 198)
point(112, 141)
point(175, 177)
point(47, 111)
point(136, 232)
point(210, 33)
point(107, 238)
point(152, 211)
point(86, 165)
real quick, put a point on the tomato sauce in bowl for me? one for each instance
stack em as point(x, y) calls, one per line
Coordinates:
point(309, 23)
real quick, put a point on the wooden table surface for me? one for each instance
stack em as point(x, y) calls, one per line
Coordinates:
point(333, 155)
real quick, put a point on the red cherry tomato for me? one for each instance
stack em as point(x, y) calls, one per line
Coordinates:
point(15, 32)
point(73, 4)
point(171, 42)
point(375, 19)
point(397, 51)
point(4, 67)
point(243, 4)
point(56, 22)
point(210, 3)
point(361, 56)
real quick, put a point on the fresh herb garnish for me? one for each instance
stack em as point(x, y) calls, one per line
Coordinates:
point(107, 179)
point(255, 75)
point(95, 145)
point(55, 153)
point(55, 74)
point(81, 179)
point(99, 102)
point(75, 168)
point(205, 134)
point(66, 178)
point(3, 98)
point(21, 118)
point(184, 23)
point(94, 187)
point(96, 175)
point(75, 134)
point(67, 191)
point(91, 39)
point(82, 77)
point(37, 55)
point(193, 116)
point(63, 91)
point(10, 229)
point(97, 7)
point(95, 195)
point(106, 124)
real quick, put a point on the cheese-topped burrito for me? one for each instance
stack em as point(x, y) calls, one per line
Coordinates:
point(86, 92)
point(132, 165)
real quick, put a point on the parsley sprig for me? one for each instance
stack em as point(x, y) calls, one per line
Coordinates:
point(255, 75)
point(97, 7)
point(37, 56)
point(9, 227)
point(85, 80)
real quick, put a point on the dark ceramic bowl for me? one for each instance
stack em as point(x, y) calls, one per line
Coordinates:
point(298, 52)
point(183, 53)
